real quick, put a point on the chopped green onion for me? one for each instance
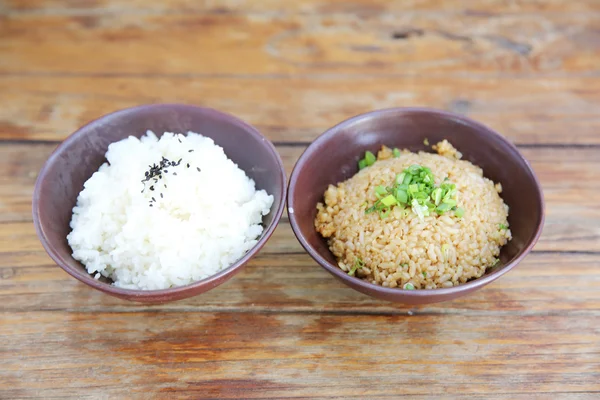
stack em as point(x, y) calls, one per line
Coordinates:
point(371, 209)
point(436, 195)
point(450, 202)
point(396, 153)
point(409, 286)
point(401, 196)
point(384, 214)
point(424, 274)
point(502, 226)
point(370, 158)
point(442, 208)
point(421, 211)
point(367, 161)
point(380, 190)
point(389, 201)
point(448, 196)
point(358, 263)
point(414, 169)
point(400, 178)
point(421, 196)
point(415, 187)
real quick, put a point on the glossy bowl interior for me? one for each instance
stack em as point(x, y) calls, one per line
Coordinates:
point(79, 156)
point(333, 158)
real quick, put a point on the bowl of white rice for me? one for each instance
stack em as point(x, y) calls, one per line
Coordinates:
point(159, 202)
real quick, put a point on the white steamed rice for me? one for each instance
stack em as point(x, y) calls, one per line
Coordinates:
point(208, 217)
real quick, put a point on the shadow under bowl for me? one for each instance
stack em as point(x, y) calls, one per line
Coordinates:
point(333, 158)
point(81, 154)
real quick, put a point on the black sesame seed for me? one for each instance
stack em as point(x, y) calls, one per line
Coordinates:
point(166, 171)
point(198, 168)
point(188, 165)
point(150, 204)
point(161, 195)
point(191, 150)
point(152, 187)
point(179, 140)
point(174, 173)
point(153, 199)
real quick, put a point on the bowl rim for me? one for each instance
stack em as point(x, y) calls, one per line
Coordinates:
point(366, 287)
point(87, 278)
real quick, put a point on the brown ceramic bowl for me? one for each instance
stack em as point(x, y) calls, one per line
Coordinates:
point(333, 158)
point(80, 155)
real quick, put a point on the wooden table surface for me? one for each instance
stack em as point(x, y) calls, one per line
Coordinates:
point(284, 328)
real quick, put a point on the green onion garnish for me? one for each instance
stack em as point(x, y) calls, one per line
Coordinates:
point(401, 196)
point(389, 200)
point(414, 169)
point(400, 178)
point(415, 189)
point(409, 286)
point(424, 274)
point(380, 190)
point(450, 202)
point(442, 208)
point(502, 226)
point(358, 263)
point(367, 161)
point(396, 152)
point(436, 196)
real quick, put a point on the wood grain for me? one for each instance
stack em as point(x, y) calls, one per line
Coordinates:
point(481, 8)
point(553, 44)
point(528, 111)
point(254, 355)
point(283, 327)
point(272, 283)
